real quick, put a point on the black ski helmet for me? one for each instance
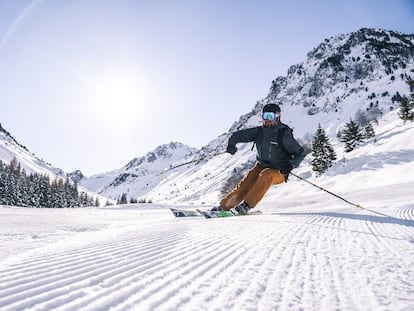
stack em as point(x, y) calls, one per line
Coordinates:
point(271, 108)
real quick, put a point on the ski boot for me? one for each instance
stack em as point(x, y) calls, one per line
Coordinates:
point(217, 209)
point(241, 209)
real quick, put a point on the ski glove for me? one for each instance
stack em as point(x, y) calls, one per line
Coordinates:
point(231, 149)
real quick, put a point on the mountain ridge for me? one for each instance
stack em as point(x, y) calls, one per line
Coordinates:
point(131, 179)
point(10, 148)
point(29, 163)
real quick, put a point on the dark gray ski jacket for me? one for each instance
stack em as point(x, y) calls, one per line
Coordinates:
point(276, 146)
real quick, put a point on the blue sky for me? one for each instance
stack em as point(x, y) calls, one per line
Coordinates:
point(91, 84)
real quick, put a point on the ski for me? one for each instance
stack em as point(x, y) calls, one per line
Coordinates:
point(207, 213)
point(220, 214)
point(185, 213)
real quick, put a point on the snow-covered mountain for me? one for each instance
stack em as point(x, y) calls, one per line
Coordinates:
point(363, 71)
point(134, 179)
point(361, 74)
point(140, 175)
point(10, 148)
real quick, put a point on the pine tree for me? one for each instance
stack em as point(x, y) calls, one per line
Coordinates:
point(123, 199)
point(368, 131)
point(351, 136)
point(322, 152)
point(407, 104)
point(407, 108)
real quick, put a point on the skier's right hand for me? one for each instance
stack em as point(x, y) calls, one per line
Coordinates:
point(231, 149)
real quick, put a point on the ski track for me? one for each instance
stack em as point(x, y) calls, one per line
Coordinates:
point(341, 259)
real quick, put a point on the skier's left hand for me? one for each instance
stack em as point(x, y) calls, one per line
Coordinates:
point(231, 149)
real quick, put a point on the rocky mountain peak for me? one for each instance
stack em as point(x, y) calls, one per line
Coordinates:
point(343, 65)
point(76, 176)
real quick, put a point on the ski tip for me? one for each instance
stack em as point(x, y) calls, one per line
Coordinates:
point(184, 213)
point(177, 213)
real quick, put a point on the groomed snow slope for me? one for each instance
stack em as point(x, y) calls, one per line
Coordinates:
point(308, 251)
point(319, 254)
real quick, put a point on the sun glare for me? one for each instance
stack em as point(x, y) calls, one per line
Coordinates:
point(119, 99)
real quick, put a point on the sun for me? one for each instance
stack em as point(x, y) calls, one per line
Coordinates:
point(117, 98)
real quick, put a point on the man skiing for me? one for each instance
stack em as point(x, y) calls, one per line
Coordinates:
point(277, 154)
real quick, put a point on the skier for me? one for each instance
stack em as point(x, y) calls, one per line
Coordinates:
point(277, 154)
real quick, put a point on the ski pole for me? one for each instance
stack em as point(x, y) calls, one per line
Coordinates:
point(177, 166)
point(189, 162)
point(335, 195)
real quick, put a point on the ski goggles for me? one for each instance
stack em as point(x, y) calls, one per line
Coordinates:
point(270, 116)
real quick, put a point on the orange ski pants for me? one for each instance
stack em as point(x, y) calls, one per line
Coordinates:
point(252, 188)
